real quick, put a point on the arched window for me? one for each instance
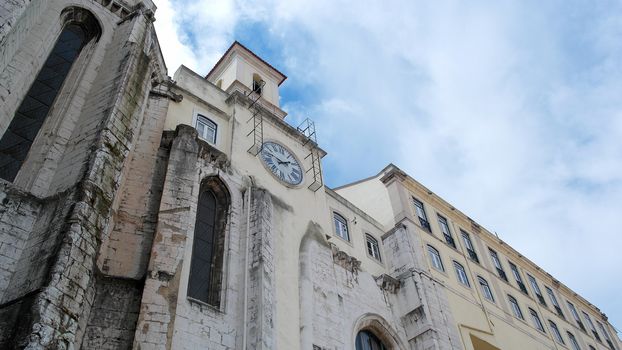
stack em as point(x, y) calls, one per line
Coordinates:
point(258, 84)
point(80, 27)
point(209, 240)
point(461, 273)
point(206, 128)
point(341, 226)
point(373, 249)
point(366, 340)
point(486, 291)
point(435, 258)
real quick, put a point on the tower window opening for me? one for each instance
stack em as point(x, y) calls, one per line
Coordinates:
point(258, 84)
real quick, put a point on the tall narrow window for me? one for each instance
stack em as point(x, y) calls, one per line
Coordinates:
point(558, 309)
point(469, 246)
point(420, 211)
point(373, 249)
point(205, 280)
point(606, 335)
point(206, 129)
point(446, 231)
point(461, 273)
point(341, 226)
point(28, 120)
point(589, 323)
point(556, 333)
point(573, 341)
point(366, 340)
point(536, 320)
point(575, 315)
point(495, 260)
point(515, 308)
point(486, 291)
point(536, 289)
point(435, 258)
point(518, 278)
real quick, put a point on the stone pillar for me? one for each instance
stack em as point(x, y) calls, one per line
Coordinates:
point(261, 287)
point(422, 302)
point(156, 322)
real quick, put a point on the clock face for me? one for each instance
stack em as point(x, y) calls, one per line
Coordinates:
point(281, 163)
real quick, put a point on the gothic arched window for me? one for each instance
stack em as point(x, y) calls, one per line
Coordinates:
point(79, 28)
point(209, 240)
point(366, 340)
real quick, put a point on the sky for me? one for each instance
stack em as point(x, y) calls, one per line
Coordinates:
point(509, 110)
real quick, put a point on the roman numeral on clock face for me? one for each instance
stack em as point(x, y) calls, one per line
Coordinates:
point(281, 163)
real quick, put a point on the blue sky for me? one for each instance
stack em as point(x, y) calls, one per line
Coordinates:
point(511, 111)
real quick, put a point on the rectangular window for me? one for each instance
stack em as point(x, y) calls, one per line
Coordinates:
point(515, 308)
point(603, 330)
point(518, 278)
point(495, 260)
point(536, 289)
point(446, 231)
point(589, 323)
point(553, 299)
point(420, 211)
point(469, 246)
point(556, 334)
point(575, 315)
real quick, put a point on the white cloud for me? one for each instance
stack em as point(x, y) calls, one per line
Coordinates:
point(509, 110)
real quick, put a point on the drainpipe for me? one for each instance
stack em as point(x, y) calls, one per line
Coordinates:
point(249, 192)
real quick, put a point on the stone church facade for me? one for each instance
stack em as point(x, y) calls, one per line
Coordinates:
point(149, 212)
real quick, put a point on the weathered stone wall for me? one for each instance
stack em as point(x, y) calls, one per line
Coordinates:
point(420, 302)
point(168, 319)
point(50, 254)
point(114, 314)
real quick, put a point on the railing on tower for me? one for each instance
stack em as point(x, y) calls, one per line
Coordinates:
point(257, 118)
point(307, 128)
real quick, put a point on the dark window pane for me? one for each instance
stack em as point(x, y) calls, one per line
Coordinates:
point(31, 114)
point(203, 248)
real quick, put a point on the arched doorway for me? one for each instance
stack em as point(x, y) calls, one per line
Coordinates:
point(366, 340)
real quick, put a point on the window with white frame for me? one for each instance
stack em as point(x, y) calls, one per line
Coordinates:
point(206, 128)
point(591, 324)
point(486, 291)
point(435, 258)
point(373, 248)
point(461, 273)
point(575, 314)
point(515, 308)
point(536, 289)
point(469, 246)
point(446, 231)
point(341, 226)
point(553, 299)
point(420, 211)
point(556, 333)
point(536, 320)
